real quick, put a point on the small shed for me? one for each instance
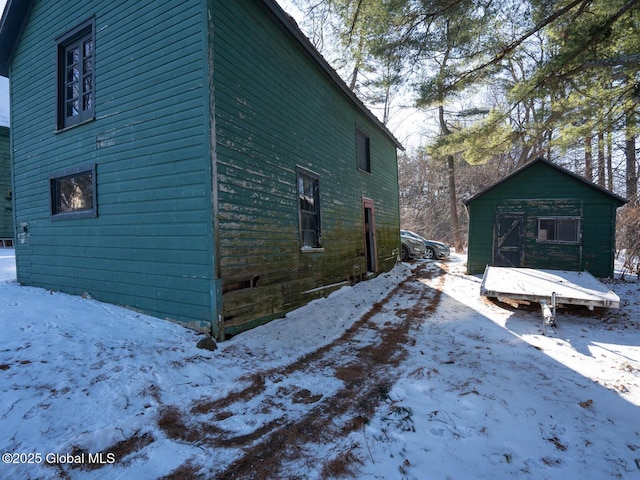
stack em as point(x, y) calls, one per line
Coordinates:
point(543, 216)
point(6, 210)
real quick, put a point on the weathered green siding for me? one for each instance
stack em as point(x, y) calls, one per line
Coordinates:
point(203, 111)
point(541, 191)
point(275, 110)
point(6, 208)
point(150, 246)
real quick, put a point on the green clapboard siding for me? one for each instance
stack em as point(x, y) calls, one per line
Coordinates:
point(204, 110)
point(542, 190)
point(6, 207)
point(275, 110)
point(151, 245)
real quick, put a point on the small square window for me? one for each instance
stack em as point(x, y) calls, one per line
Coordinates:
point(309, 210)
point(363, 157)
point(76, 92)
point(73, 194)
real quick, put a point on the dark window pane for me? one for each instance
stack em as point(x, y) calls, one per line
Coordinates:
point(362, 152)
point(73, 56)
point(73, 74)
point(308, 238)
point(546, 230)
point(73, 108)
point(73, 193)
point(88, 47)
point(308, 222)
point(307, 204)
point(87, 101)
point(567, 230)
point(87, 65)
point(70, 91)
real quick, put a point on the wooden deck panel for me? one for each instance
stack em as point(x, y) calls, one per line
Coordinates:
point(571, 288)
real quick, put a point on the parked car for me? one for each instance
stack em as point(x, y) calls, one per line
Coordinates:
point(411, 247)
point(433, 249)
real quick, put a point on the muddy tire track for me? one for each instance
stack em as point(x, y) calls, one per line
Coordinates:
point(293, 420)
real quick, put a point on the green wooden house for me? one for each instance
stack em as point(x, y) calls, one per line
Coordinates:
point(197, 160)
point(543, 216)
point(6, 209)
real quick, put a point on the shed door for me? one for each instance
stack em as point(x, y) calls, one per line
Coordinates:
point(508, 249)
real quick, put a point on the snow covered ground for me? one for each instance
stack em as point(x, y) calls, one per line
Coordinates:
point(472, 389)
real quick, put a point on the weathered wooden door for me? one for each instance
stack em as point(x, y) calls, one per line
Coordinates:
point(508, 248)
point(369, 235)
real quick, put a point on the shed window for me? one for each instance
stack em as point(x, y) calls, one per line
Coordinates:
point(73, 194)
point(363, 157)
point(559, 230)
point(76, 85)
point(309, 209)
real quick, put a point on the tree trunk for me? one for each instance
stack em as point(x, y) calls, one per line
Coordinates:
point(354, 79)
point(453, 200)
point(630, 154)
point(588, 158)
point(609, 160)
point(601, 179)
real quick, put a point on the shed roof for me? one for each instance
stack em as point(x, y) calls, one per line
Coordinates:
point(621, 201)
point(16, 14)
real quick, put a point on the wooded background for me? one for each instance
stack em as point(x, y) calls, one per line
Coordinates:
point(495, 84)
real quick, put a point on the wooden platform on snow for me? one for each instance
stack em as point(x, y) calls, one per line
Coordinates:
point(571, 288)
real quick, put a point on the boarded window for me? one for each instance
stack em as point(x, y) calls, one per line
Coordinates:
point(309, 209)
point(559, 230)
point(73, 194)
point(363, 157)
point(76, 60)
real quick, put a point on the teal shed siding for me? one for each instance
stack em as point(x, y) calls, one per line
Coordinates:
point(539, 190)
point(275, 111)
point(150, 245)
point(204, 109)
point(7, 231)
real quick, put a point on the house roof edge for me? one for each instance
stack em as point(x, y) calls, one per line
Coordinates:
point(289, 23)
point(16, 13)
point(14, 17)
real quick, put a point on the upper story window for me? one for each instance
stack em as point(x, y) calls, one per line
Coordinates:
point(559, 229)
point(363, 157)
point(309, 209)
point(76, 84)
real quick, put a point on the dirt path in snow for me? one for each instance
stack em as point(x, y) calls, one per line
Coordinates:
point(294, 422)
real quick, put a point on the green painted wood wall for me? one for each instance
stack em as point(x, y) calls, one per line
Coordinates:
point(6, 208)
point(539, 191)
point(150, 246)
point(204, 109)
point(275, 110)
